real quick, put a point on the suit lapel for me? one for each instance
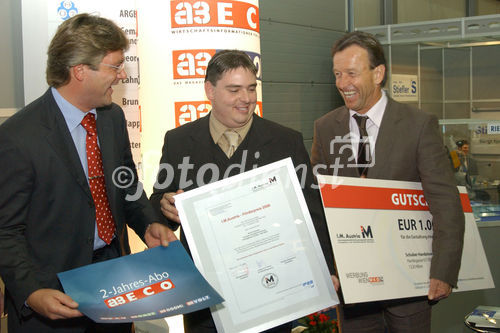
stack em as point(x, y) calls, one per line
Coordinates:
point(60, 140)
point(385, 139)
point(258, 136)
point(200, 134)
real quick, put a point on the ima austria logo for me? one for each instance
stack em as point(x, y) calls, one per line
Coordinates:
point(366, 233)
point(67, 9)
point(365, 236)
point(271, 181)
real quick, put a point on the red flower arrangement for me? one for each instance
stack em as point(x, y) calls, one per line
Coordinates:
point(319, 323)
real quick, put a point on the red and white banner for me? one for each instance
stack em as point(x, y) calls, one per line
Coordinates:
point(177, 39)
point(366, 197)
point(37, 33)
point(174, 41)
point(212, 13)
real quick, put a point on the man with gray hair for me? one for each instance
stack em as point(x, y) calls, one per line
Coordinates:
point(60, 207)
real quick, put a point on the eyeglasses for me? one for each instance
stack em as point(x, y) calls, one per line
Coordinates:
point(118, 68)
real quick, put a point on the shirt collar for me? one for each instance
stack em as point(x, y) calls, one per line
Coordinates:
point(377, 111)
point(72, 115)
point(217, 129)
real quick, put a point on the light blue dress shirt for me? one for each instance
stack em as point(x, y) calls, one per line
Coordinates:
point(73, 117)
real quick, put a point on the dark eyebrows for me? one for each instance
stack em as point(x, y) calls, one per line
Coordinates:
point(237, 86)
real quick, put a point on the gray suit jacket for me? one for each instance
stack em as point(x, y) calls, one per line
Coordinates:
point(409, 147)
point(47, 218)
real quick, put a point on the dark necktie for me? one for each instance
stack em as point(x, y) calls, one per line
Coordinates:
point(364, 157)
point(103, 216)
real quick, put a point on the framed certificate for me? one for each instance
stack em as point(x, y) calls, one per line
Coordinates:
point(386, 225)
point(252, 238)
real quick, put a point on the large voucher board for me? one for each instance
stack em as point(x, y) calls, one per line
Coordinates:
point(252, 237)
point(381, 233)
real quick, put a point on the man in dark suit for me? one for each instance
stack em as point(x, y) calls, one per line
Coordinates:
point(230, 85)
point(404, 144)
point(2, 301)
point(53, 218)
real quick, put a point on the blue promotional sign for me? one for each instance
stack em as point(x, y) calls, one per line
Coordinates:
point(152, 284)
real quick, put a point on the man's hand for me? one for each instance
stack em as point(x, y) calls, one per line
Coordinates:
point(336, 285)
point(157, 234)
point(1, 303)
point(336, 282)
point(53, 304)
point(438, 290)
point(167, 206)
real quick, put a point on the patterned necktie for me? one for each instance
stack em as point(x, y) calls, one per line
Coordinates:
point(104, 218)
point(364, 157)
point(232, 139)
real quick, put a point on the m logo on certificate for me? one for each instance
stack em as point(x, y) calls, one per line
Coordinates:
point(270, 280)
point(389, 227)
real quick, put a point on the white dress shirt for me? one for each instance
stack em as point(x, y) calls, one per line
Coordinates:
point(374, 115)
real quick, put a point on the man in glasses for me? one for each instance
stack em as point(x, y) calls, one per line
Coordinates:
point(60, 206)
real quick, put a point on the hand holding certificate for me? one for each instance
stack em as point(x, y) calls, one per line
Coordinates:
point(252, 238)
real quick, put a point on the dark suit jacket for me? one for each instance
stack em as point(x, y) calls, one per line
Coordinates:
point(409, 147)
point(266, 142)
point(47, 218)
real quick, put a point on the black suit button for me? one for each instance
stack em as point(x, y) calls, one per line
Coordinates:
point(90, 240)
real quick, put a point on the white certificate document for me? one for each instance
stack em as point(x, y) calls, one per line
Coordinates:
point(252, 238)
point(381, 234)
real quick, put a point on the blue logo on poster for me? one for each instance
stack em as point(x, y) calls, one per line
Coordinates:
point(67, 9)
